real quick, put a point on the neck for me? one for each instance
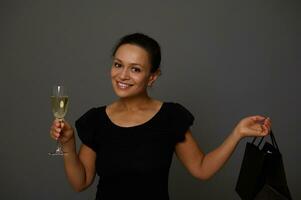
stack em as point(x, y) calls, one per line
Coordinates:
point(134, 103)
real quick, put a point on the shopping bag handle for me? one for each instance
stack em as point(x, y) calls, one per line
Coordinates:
point(272, 139)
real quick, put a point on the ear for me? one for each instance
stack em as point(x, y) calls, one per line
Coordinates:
point(153, 77)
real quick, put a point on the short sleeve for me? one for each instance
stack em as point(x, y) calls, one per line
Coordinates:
point(182, 120)
point(85, 127)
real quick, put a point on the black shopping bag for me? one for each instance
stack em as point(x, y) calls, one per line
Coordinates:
point(262, 173)
point(269, 193)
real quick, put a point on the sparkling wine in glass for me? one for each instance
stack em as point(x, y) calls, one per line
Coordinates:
point(59, 104)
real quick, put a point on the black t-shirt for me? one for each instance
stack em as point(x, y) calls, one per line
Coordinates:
point(134, 162)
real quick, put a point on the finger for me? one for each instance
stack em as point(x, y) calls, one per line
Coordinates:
point(258, 118)
point(265, 130)
point(52, 130)
point(268, 123)
point(270, 127)
point(57, 123)
point(56, 130)
point(62, 124)
point(54, 135)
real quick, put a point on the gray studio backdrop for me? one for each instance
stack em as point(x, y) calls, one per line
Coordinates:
point(223, 60)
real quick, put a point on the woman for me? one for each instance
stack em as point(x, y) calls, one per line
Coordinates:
point(130, 143)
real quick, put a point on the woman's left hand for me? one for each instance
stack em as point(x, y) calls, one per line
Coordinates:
point(253, 126)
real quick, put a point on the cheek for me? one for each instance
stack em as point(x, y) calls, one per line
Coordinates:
point(142, 80)
point(113, 73)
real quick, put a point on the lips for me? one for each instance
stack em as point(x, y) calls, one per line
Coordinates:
point(123, 85)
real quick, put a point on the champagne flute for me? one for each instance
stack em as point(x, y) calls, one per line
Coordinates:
point(59, 104)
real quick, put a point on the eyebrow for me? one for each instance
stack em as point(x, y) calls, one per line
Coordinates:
point(130, 63)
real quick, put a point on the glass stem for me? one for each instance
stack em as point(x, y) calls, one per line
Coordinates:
point(59, 144)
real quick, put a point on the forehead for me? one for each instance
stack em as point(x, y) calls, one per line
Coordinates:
point(132, 54)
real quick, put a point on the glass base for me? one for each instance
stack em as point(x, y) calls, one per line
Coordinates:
point(58, 152)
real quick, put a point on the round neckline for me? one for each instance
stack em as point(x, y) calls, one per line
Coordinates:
point(138, 125)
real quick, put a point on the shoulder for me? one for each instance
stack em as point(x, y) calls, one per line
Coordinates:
point(174, 106)
point(178, 112)
point(92, 112)
point(180, 119)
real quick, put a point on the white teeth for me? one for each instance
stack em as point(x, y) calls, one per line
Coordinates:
point(123, 85)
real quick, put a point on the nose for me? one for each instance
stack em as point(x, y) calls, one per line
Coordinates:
point(124, 74)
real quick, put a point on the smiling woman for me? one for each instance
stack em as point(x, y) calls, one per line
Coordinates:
point(130, 143)
point(131, 71)
point(148, 44)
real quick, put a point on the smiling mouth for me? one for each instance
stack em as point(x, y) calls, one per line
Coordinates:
point(123, 85)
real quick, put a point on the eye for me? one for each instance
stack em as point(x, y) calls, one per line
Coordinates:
point(116, 64)
point(136, 69)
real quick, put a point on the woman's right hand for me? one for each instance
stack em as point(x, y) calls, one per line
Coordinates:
point(61, 130)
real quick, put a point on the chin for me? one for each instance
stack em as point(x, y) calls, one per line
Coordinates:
point(127, 93)
point(122, 94)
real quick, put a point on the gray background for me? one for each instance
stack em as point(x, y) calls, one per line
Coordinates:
point(223, 60)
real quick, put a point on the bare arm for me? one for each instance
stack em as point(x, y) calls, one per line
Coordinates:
point(203, 166)
point(79, 167)
point(200, 165)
